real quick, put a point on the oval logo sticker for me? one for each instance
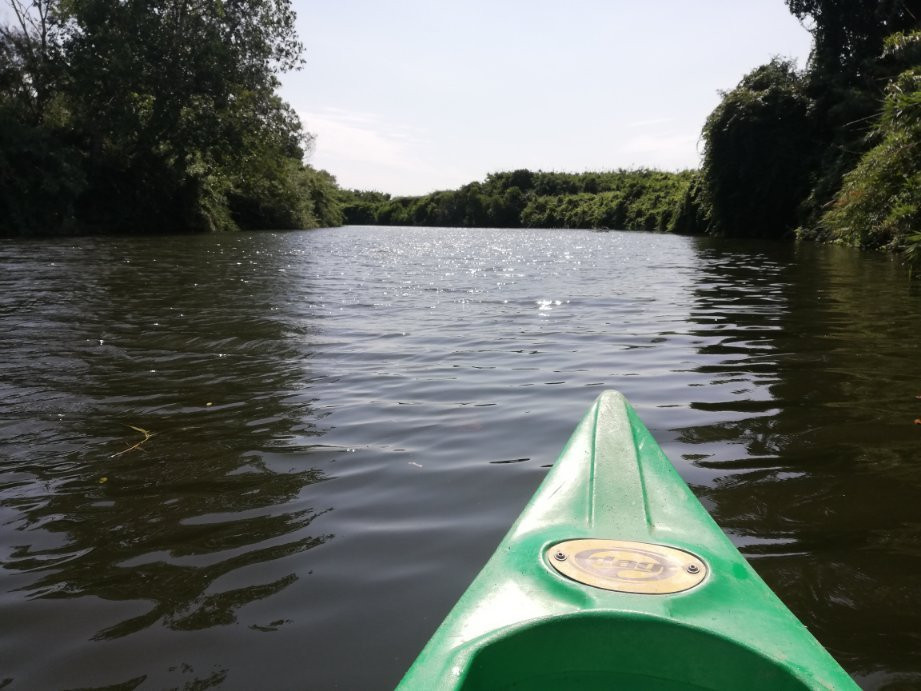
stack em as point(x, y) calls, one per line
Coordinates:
point(628, 567)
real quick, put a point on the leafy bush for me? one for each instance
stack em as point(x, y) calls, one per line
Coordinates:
point(879, 205)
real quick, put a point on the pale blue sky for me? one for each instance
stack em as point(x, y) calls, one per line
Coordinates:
point(412, 96)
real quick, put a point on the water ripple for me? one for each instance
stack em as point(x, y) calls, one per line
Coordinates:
point(344, 423)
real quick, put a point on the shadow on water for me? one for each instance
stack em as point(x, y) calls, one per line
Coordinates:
point(816, 457)
point(165, 528)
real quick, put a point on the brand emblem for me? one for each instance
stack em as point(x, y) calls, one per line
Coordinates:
point(631, 567)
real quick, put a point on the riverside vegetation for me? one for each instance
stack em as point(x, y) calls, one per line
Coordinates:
point(623, 199)
point(152, 115)
point(145, 115)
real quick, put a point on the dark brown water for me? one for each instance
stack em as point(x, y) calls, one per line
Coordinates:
point(345, 422)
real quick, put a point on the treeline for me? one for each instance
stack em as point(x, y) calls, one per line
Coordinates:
point(152, 116)
point(622, 199)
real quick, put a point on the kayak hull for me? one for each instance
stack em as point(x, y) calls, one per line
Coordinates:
point(615, 576)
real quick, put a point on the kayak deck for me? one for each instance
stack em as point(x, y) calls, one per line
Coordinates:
point(615, 576)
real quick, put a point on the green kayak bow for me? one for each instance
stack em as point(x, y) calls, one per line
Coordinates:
point(615, 577)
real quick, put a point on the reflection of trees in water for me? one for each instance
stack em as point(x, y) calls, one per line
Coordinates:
point(812, 410)
point(186, 345)
point(170, 540)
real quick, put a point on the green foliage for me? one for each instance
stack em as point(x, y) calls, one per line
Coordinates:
point(759, 153)
point(816, 149)
point(849, 34)
point(633, 200)
point(692, 213)
point(285, 194)
point(903, 47)
point(851, 63)
point(321, 190)
point(359, 207)
point(913, 253)
point(156, 115)
point(624, 199)
point(879, 204)
point(40, 179)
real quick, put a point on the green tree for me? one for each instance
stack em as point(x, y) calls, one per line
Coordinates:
point(40, 179)
point(30, 57)
point(759, 150)
point(40, 172)
point(879, 204)
point(849, 34)
point(162, 114)
point(194, 110)
point(845, 80)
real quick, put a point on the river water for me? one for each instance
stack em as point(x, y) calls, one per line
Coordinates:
point(276, 460)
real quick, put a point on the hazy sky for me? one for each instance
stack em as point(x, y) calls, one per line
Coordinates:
point(412, 96)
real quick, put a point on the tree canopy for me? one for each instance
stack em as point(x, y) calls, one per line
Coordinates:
point(849, 34)
point(152, 115)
